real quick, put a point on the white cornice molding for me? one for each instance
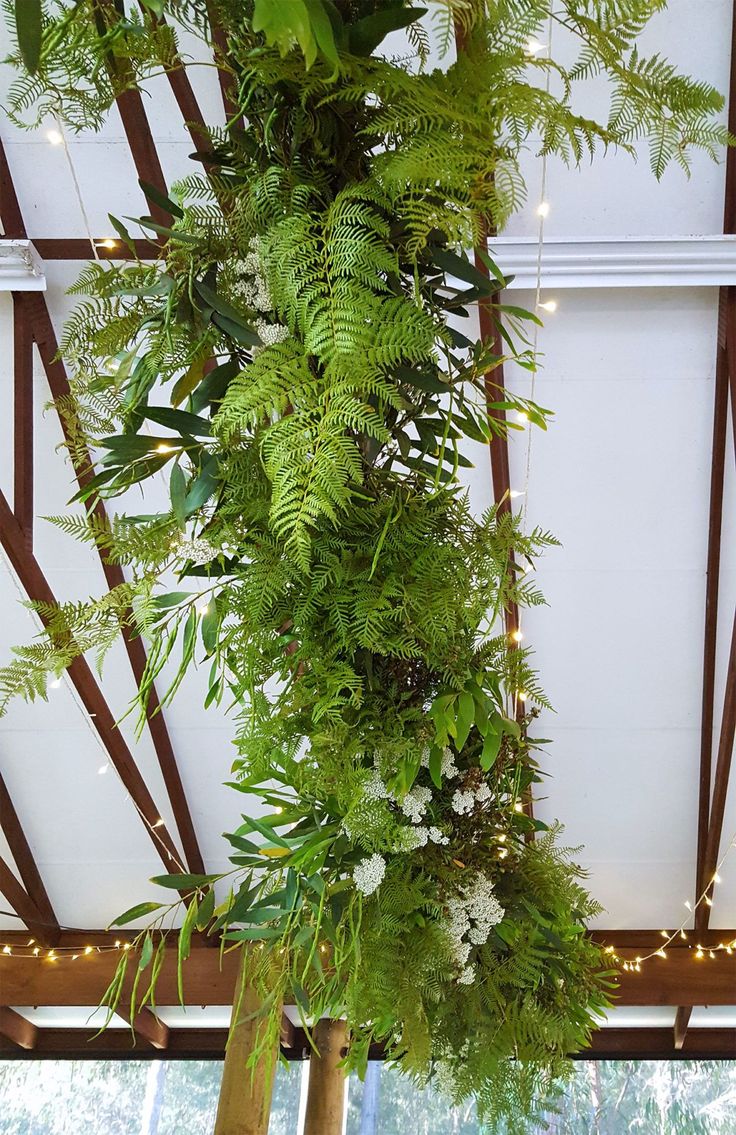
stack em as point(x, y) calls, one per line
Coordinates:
point(619, 262)
point(21, 268)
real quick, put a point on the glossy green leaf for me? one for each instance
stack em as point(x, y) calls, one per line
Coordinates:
point(29, 26)
point(138, 911)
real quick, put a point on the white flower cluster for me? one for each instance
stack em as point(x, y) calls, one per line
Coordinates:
point(464, 800)
point(251, 285)
point(252, 288)
point(414, 804)
point(368, 874)
point(374, 788)
point(473, 912)
point(448, 768)
point(437, 836)
point(199, 551)
point(270, 333)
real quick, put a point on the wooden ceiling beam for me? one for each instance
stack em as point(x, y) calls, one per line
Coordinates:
point(77, 248)
point(712, 791)
point(46, 927)
point(35, 585)
point(678, 980)
point(23, 417)
point(36, 320)
point(24, 906)
point(17, 1029)
point(209, 1044)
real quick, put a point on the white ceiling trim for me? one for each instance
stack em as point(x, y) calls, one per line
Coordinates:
point(21, 268)
point(619, 262)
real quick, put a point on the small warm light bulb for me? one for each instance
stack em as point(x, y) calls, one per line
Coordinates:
point(683, 935)
point(31, 942)
point(278, 810)
point(163, 448)
point(543, 209)
point(699, 952)
point(708, 901)
point(7, 950)
point(521, 695)
point(107, 243)
point(502, 837)
point(117, 944)
point(716, 878)
point(126, 945)
point(549, 305)
point(518, 806)
point(55, 137)
point(159, 823)
point(522, 417)
point(609, 949)
point(36, 952)
point(729, 950)
point(638, 967)
point(88, 949)
point(51, 956)
point(516, 636)
point(514, 493)
point(712, 955)
point(74, 957)
point(203, 608)
point(502, 853)
point(664, 933)
point(533, 46)
point(688, 905)
point(661, 953)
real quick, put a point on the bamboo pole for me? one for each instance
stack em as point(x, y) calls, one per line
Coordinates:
point(244, 1106)
point(326, 1094)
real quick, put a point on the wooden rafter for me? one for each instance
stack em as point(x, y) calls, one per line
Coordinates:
point(23, 904)
point(46, 925)
point(35, 319)
point(35, 585)
point(23, 418)
point(713, 789)
point(17, 1029)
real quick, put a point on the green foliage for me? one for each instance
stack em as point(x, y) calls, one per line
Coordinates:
point(299, 362)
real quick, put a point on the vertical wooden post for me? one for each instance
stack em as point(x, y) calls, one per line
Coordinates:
point(244, 1106)
point(326, 1096)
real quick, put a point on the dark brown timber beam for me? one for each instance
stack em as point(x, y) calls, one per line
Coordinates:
point(24, 906)
point(17, 1029)
point(712, 793)
point(679, 979)
point(36, 587)
point(23, 417)
point(36, 317)
point(209, 1044)
point(26, 864)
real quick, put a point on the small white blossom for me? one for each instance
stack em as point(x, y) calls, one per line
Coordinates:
point(368, 874)
point(448, 768)
point(374, 788)
point(437, 836)
point(483, 793)
point(270, 333)
point(414, 804)
point(462, 801)
point(467, 977)
point(412, 838)
point(199, 551)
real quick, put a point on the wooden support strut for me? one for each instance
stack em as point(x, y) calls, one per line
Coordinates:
point(44, 923)
point(326, 1092)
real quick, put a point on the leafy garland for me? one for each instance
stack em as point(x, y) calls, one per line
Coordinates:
point(304, 321)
